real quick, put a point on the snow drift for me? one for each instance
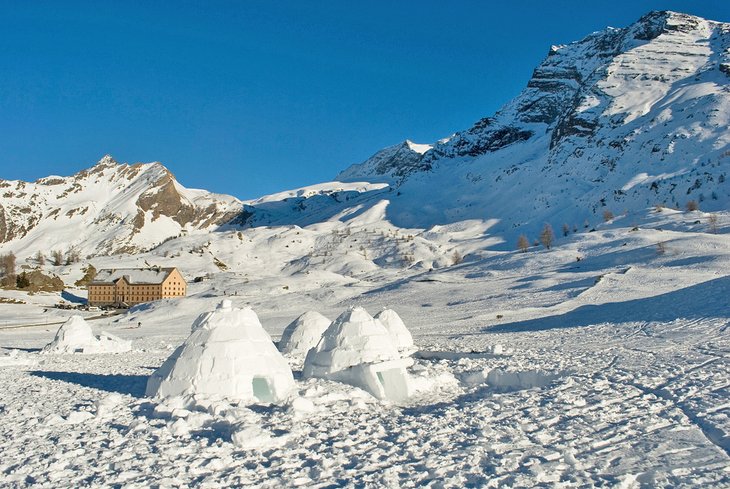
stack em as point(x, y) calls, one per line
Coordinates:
point(228, 354)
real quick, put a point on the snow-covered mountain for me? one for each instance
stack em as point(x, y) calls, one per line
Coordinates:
point(622, 120)
point(616, 123)
point(109, 208)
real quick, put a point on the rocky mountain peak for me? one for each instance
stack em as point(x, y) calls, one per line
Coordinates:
point(109, 208)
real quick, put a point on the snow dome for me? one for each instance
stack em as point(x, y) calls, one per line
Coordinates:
point(356, 349)
point(228, 354)
point(402, 338)
point(75, 336)
point(303, 333)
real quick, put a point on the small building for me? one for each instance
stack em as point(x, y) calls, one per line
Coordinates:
point(130, 286)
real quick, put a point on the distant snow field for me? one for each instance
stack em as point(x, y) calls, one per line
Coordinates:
point(601, 362)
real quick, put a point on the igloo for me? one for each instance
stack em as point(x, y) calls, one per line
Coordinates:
point(356, 349)
point(76, 336)
point(303, 333)
point(402, 338)
point(227, 355)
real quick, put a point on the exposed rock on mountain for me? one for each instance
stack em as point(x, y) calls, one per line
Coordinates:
point(623, 119)
point(109, 208)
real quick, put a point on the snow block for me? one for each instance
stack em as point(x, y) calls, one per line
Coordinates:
point(356, 349)
point(228, 355)
point(303, 333)
point(402, 338)
point(76, 336)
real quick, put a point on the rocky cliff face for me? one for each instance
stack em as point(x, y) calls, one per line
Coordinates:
point(623, 119)
point(109, 208)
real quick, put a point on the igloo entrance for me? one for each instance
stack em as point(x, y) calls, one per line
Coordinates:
point(262, 390)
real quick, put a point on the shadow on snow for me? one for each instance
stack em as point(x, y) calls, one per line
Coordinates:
point(706, 299)
point(133, 385)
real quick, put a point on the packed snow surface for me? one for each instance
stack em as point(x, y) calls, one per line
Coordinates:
point(303, 333)
point(228, 354)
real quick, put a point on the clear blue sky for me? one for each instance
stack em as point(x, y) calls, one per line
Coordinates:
point(253, 97)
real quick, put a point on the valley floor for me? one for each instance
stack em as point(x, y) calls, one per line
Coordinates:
point(617, 373)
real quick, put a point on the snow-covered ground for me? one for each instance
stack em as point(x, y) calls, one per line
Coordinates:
point(614, 371)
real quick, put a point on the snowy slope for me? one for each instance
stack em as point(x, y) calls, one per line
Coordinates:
point(621, 120)
point(109, 208)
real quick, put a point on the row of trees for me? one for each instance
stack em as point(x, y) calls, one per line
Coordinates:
point(8, 261)
point(58, 257)
point(547, 237)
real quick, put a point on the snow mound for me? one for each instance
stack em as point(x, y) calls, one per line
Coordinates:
point(402, 338)
point(229, 355)
point(357, 349)
point(303, 333)
point(76, 336)
point(15, 358)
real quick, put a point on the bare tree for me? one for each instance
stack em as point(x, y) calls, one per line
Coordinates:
point(523, 244)
point(57, 256)
point(607, 215)
point(712, 221)
point(547, 236)
point(566, 229)
point(456, 258)
point(40, 258)
point(692, 205)
point(7, 262)
point(73, 256)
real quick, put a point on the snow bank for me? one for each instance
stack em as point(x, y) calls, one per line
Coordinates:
point(402, 338)
point(15, 358)
point(356, 349)
point(76, 336)
point(303, 333)
point(228, 354)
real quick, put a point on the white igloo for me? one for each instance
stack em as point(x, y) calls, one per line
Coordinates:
point(402, 338)
point(227, 355)
point(76, 336)
point(356, 349)
point(303, 333)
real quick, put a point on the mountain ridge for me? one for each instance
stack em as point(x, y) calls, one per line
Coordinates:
point(109, 208)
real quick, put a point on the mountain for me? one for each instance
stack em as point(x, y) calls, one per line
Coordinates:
point(108, 209)
point(622, 120)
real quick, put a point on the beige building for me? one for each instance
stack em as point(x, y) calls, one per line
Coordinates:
point(130, 286)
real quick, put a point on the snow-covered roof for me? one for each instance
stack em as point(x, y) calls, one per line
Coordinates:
point(132, 275)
